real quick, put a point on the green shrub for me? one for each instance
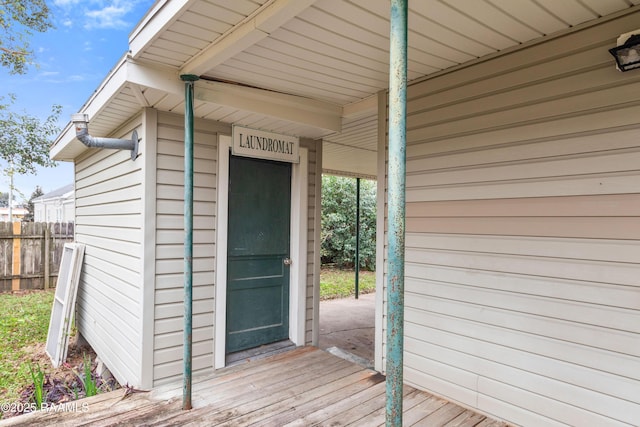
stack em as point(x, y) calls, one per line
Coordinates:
point(338, 233)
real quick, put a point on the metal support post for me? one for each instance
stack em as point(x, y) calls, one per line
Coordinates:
point(188, 237)
point(357, 262)
point(397, 166)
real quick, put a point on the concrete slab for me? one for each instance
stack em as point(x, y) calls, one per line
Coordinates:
point(350, 357)
point(349, 325)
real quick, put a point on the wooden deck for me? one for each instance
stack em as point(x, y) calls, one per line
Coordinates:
point(302, 387)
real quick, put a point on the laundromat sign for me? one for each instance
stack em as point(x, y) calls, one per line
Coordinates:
point(265, 145)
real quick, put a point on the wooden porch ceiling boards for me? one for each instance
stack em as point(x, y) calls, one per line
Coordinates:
point(302, 387)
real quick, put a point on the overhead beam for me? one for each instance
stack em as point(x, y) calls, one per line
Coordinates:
point(364, 107)
point(164, 79)
point(283, 106)
point(268, 18)
point(135, 75)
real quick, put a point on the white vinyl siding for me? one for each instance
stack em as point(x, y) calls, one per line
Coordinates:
point(169, 290)
point(109, 222)
point(523, 244)
point(39, 212)
point(313, 258)
point(68, 210)
point(381, 233)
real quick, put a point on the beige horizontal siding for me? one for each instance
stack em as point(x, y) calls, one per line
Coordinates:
point(589, 227)
point(169, 251)
point(605, 217)
point(427, 155)
point(108, 221)
point(619, 205)
point(523, 228)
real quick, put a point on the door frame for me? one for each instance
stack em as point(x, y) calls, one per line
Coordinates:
point(298, 253)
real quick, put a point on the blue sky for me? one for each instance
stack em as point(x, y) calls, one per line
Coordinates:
point(73, 59)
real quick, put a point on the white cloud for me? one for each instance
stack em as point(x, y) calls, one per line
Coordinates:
point(65, 3)
point(111, 16)
point(99, 14)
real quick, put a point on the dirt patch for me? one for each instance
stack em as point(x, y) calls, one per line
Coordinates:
point(63, 384)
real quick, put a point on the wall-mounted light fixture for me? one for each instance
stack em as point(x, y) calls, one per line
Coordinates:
point(81, 123)
point(627, 53)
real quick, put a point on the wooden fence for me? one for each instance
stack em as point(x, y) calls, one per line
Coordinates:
point(30, 254)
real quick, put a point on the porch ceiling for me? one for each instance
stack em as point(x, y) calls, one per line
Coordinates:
point(326, 59)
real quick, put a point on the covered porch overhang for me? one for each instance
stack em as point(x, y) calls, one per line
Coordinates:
point(304, 68)
point(132, 86)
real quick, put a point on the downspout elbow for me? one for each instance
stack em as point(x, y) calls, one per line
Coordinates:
point(81, 123)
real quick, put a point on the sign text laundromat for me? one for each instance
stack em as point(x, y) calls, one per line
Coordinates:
point(266, 145)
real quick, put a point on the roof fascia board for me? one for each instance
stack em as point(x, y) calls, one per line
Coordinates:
point(63, 141)
point(268, 18)
point(293, 108)
point(160, 17)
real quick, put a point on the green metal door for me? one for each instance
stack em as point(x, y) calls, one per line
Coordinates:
point(257, 250)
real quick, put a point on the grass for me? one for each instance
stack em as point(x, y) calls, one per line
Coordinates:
point(24, 322)
point(336, 283)
point(90, 386)
point(37, 375)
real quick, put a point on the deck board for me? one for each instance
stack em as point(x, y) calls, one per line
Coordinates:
point(356, 414)
point(342, 405)
point(302, 387)
point(248, 409)
point(412, 416)
point(443, 415)
point(411, 398)
point(467, 419)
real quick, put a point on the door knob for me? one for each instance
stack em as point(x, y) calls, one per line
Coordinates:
point(287, 261)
